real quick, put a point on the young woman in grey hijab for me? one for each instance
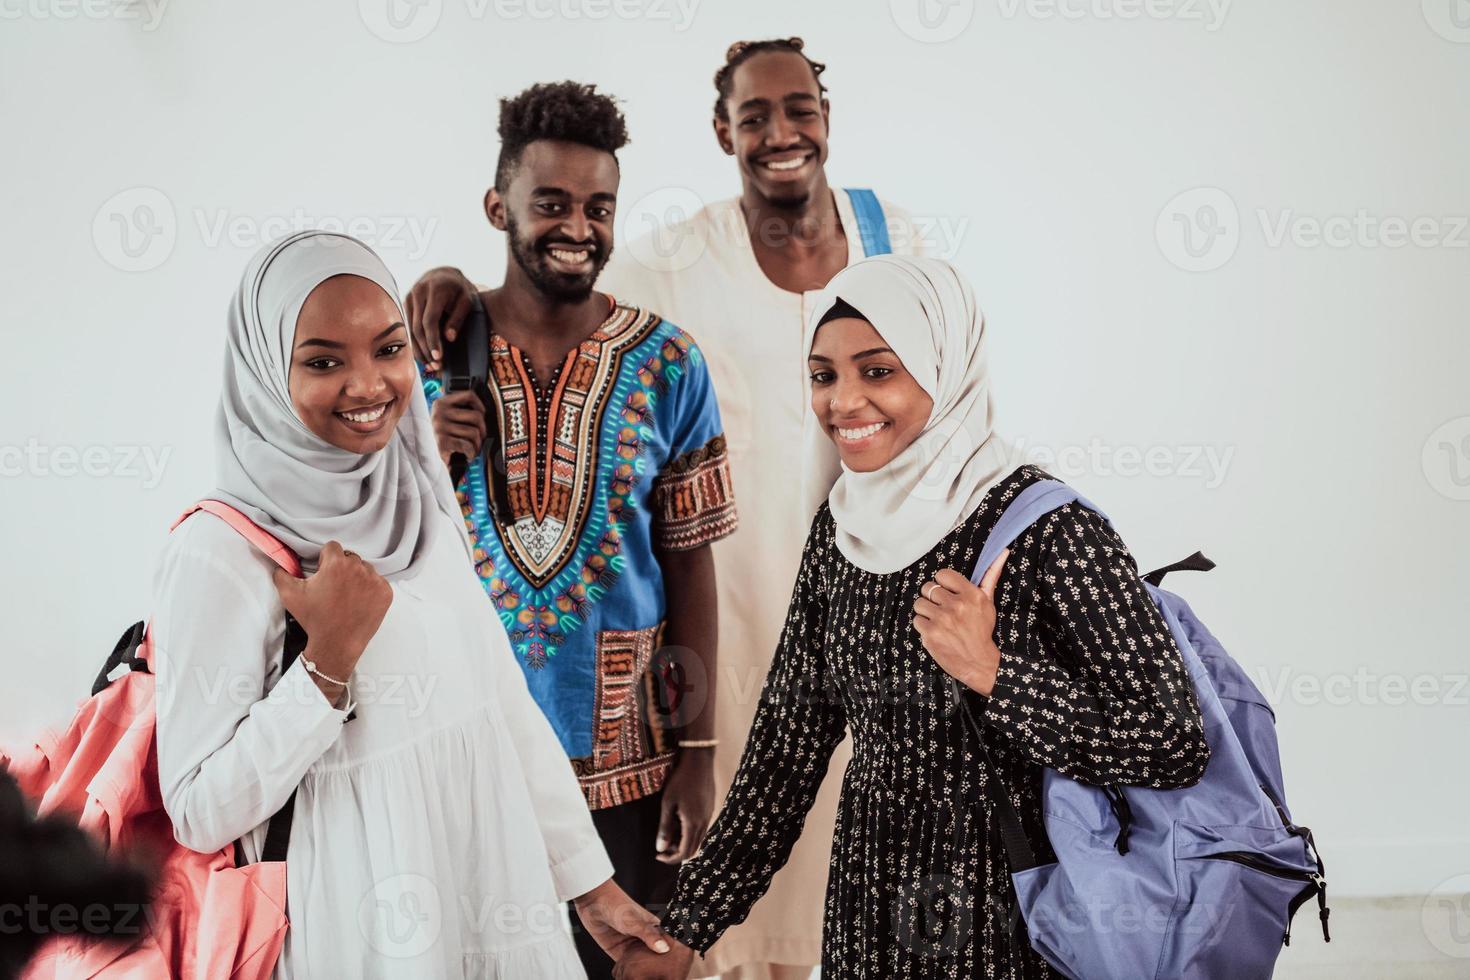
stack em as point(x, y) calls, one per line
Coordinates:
point(431, 793)
point(1058, 649)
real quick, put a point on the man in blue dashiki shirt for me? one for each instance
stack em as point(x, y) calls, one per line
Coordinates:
point(610, 479)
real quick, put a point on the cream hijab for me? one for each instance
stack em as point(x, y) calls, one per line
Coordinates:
point(283, 476)
point(925, 311)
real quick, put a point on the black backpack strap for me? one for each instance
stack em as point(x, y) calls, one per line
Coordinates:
point(1008, 822)
point(1194, 563)
point(1019, 853)
point(1122, 812)
point(126, 652)
point(278, 834)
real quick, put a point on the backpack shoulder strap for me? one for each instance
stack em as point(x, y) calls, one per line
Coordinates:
point(1030, 506)
point(249, 530)
point(872, 225)
point(278, 833)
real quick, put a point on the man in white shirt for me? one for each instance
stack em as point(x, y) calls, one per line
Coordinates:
point(741, 275)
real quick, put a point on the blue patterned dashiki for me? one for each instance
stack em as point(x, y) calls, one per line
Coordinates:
point(619, 453)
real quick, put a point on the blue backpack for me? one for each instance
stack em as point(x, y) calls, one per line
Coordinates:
point(1149, 884)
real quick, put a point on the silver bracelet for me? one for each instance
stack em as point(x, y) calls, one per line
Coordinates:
point(698, 743)
point(310, 666)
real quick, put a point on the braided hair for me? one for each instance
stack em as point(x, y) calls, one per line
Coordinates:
point(742, 51)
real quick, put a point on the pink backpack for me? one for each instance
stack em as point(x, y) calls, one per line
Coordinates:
point(213, 916)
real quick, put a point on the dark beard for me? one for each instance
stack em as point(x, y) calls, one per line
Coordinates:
point(560, 286)
point(797, 202)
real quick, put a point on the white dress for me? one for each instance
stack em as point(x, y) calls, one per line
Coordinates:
point(436, 833)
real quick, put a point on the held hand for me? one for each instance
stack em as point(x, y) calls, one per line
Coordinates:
point(956, 621)
point(437, 306)
point(618, 924)
point(688, 805)
point(340, 607)
point(640, 964)
point(459, 424)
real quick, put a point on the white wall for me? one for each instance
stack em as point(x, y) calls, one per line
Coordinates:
point(1051, 138)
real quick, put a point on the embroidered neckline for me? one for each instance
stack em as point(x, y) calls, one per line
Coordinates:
point(551, 439)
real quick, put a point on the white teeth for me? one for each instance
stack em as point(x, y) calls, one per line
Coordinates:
point(863, 433)
point(573, 258)
point(369, 416)
point(785, 164)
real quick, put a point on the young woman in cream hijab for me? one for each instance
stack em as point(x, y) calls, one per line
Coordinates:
point(1059, 650)
point(437, 826)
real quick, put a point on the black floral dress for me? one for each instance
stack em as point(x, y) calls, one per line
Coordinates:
point(1090, 683)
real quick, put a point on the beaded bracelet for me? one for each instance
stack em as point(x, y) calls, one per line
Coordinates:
point(698, 743)
point(310, 666)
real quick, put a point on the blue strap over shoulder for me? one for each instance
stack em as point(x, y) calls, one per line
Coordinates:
point(872, 225)
point(1030, 506)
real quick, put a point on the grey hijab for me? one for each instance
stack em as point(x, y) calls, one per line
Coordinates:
point(287, 479)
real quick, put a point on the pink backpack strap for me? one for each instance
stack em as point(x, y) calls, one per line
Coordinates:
point(250, 531)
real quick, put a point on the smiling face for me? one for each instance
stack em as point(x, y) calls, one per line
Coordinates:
point(777, 127)
point(867, 402)
point(351, 370)
point(558, 210)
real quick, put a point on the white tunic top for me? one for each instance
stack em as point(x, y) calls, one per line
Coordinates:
point(702, 274)
point(436, 833)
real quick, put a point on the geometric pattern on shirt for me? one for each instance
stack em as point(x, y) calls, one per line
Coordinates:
point(631, 753)
point(539, 618)
point(551, 456)
point(695, 498)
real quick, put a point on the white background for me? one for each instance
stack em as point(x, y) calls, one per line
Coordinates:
point(1044, 145)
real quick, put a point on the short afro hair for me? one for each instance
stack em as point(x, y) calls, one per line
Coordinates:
point(742, 51)
point(568, 111)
